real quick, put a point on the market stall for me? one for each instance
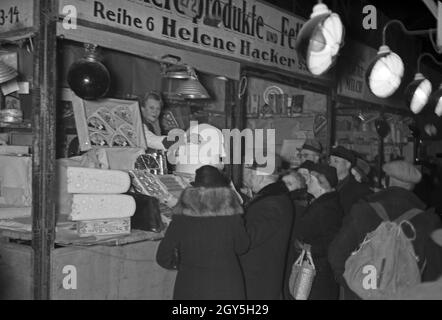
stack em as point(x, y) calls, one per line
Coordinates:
point(64, 244)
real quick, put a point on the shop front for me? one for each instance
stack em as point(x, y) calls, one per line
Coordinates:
point(360, 114)
point(46, 254)
point(240, 62)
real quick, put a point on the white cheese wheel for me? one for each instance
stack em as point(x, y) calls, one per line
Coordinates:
point(100, 181)
point(102, 206)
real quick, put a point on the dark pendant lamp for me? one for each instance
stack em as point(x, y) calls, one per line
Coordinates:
point(88, 77)
point(320, 39)
point(192, 88)
point(384, 74)
point(382, 127)
point(419, 90)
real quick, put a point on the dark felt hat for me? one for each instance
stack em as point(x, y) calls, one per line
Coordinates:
point(343, 153)
point(209, 177)
point(362, 167)
point(312, 145)
point(328, 172)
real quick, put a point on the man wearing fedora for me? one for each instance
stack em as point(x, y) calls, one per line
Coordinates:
point(268, 218)
point(349, 190)
point(317, 227)
point(311, 150)
point(397, 198)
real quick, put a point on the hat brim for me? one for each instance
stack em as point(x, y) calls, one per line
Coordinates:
point(310, 148)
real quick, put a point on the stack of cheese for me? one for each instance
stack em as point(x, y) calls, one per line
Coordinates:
point(98, 205)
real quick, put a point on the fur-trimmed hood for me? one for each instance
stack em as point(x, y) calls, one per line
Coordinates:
point(208, 202)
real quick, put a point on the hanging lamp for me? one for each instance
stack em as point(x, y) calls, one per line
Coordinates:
point(385, 72)
point(320, 39)
point(192, 88)
point(88, 77)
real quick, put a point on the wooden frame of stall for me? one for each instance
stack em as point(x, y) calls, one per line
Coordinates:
point(35, 263)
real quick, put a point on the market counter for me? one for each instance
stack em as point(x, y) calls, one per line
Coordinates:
point(124, 268)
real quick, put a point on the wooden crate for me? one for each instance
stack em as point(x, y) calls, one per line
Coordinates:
point(103, 227)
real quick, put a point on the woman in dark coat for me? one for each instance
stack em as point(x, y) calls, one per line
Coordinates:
point(317, 227)
point(204, 239)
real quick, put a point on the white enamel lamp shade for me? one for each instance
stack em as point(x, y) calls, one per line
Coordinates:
point(320, 39)
point(418, 93)
point(436, 101)
point(385, 73)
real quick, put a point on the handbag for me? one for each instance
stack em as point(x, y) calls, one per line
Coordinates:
point(302, 275)
point(147, 215)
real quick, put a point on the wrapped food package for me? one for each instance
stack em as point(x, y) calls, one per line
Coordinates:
point(102, 206)
point(98, 181)
point(148, 184)
point(15, 181)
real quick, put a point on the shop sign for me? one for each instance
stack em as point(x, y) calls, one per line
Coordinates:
point(16, 15)
point(242, 30)
point(353, 83)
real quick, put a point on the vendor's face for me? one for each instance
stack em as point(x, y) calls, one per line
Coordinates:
point(342, 166)
point(151, 110)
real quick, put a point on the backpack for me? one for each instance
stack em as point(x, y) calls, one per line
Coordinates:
point(385, 261)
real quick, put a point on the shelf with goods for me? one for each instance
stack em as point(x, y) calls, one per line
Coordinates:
point(26, 124)
point(279, 116)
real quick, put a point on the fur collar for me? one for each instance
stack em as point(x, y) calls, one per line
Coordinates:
point(208, 202)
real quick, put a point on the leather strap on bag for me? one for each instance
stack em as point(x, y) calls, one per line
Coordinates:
point(408, 215)
point(382, 213)
point(380, 210)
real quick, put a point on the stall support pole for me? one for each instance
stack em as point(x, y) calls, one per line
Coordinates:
point(380, 160)
point(331, 120)
point(43, 163)
point(230, 110)
point(239, 122)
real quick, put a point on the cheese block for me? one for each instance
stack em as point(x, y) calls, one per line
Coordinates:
point(103, 227)
point(100, 181)
point(102, 206)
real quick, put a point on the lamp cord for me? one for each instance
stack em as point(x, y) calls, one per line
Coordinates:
point(426, 54)
point(433, 43)
point(404, 29)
